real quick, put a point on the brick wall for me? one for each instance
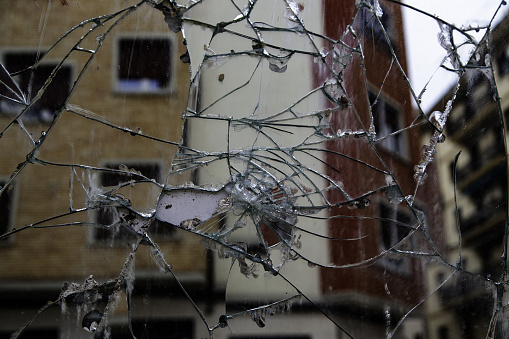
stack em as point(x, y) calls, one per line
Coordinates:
point(43, 191)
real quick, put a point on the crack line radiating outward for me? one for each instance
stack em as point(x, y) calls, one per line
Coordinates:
point(305, 157)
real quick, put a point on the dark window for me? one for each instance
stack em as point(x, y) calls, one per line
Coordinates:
point(443, 332)
point(31, 81)
point(503, 62)
point(440, 278)
point(34, 334)
point(144, 65)
point(373, 31)
point(387, 121)
point(156, 329)
point(395, 225)
point(151, 171)
point(106, 216)
point(6, 206)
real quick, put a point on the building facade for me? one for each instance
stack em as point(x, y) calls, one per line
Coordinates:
point(305, 134)
point(126, 82)
point(473, 182)
point(374, 276)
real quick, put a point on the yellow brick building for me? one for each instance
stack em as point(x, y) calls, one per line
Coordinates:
point(127, 82)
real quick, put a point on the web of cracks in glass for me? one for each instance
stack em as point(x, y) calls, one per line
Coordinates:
point(276, 173)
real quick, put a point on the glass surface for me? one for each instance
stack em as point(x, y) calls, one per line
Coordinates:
point(252, 169)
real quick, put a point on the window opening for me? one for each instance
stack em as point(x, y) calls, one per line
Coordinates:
point(387, 121)
point(443, 332)
point(31, 80)
point(395, 227)
point(503, 62)
point(157, 329)
point(144, 65)
point(108, 216)
point(376, 31)
point(6, 209)
point(35, 334)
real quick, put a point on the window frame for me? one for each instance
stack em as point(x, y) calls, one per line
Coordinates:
point(371, 31)
point(68, 64)
point(118, 240)
point(169, 89)
point(403, 265)
point(399, 140)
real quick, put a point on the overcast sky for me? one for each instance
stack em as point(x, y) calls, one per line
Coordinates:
point(423, 50)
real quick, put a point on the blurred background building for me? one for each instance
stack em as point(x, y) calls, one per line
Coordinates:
point(378, 90)
point(474, 196)
point(136, 78)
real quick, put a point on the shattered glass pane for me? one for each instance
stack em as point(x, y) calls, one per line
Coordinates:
point(252, 169)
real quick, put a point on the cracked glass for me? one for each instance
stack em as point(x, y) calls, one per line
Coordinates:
point(252, 169)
